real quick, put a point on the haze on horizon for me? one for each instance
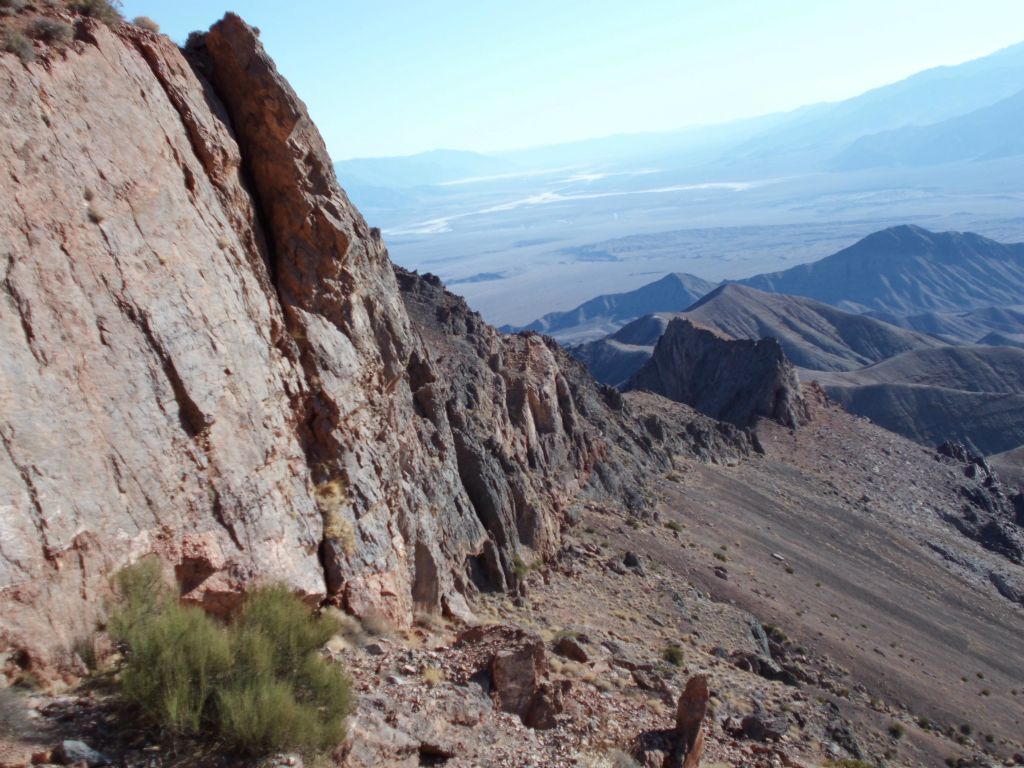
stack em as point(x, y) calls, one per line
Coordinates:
point(405, 77)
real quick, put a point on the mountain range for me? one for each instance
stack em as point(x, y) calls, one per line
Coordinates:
point(723, 202)
point(941, 363)
point(604, 314)
point(907, 270)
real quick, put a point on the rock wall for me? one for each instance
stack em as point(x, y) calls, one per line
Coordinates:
point(735, 381)
point(207, 356)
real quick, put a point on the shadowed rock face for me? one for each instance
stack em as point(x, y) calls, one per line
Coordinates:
point(734, 381)
point(207, 356)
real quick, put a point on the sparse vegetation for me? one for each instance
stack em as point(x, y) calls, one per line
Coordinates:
point(11, 7)
point(106, 11)
point(15, 42)
point(721, 556)
point(432, 676)
point(674, 525)
point(896, 730)
point(146, 23)
point(95, 213)
point(13, 717)
point(331, 499)
point(377, 624)
point(519, 566)
point(673, 654)
point(256, 685)
point(51, 30)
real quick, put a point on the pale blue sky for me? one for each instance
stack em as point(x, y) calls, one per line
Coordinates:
point(390, 77)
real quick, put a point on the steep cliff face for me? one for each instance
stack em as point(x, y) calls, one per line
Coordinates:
point(735, 381)
point(147, 381)
point(207, 356)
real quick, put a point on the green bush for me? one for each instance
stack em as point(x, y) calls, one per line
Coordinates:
point(254, 686)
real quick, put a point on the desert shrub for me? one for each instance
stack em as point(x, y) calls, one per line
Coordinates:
point(15, 42)
point(51, 30)
point(674, 525)
point(11, 7)
point(673, 654)
point(433, 676)
point(13, 716)
point(144, 22)
point(255, 685)
point(519, 566)
point(896, 730)
point(107, 11)
point(377, 624)
point(176, 661)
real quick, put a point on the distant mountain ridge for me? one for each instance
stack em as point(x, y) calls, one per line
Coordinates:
point(990, 132)
point(930, 395)
point(908, 270)
point(604, 314)
point(903, 275)
point(813, 335)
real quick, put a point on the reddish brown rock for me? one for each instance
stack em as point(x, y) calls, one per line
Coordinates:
point(693, 705)
point(207, 356)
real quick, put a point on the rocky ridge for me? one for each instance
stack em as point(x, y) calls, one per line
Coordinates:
point(734, 381)
point(250, 395)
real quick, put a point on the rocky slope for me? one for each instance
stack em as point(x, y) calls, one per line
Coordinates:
point(973, 394)
point(207, 356)
point(994, 326)
point(734, 381)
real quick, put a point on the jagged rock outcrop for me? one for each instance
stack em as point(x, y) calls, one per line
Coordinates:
point(990, 513)
point(734, 381)
point(207, 356)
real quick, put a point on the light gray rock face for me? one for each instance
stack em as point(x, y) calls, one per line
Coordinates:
point(734, 381)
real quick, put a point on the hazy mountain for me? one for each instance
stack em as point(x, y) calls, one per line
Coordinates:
point(604, 314)
point(908, 270)
point(931, 96)
point(974, 393)
point(813, 335)
point(434, 167)
point(987, 325)
point(990, 132)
